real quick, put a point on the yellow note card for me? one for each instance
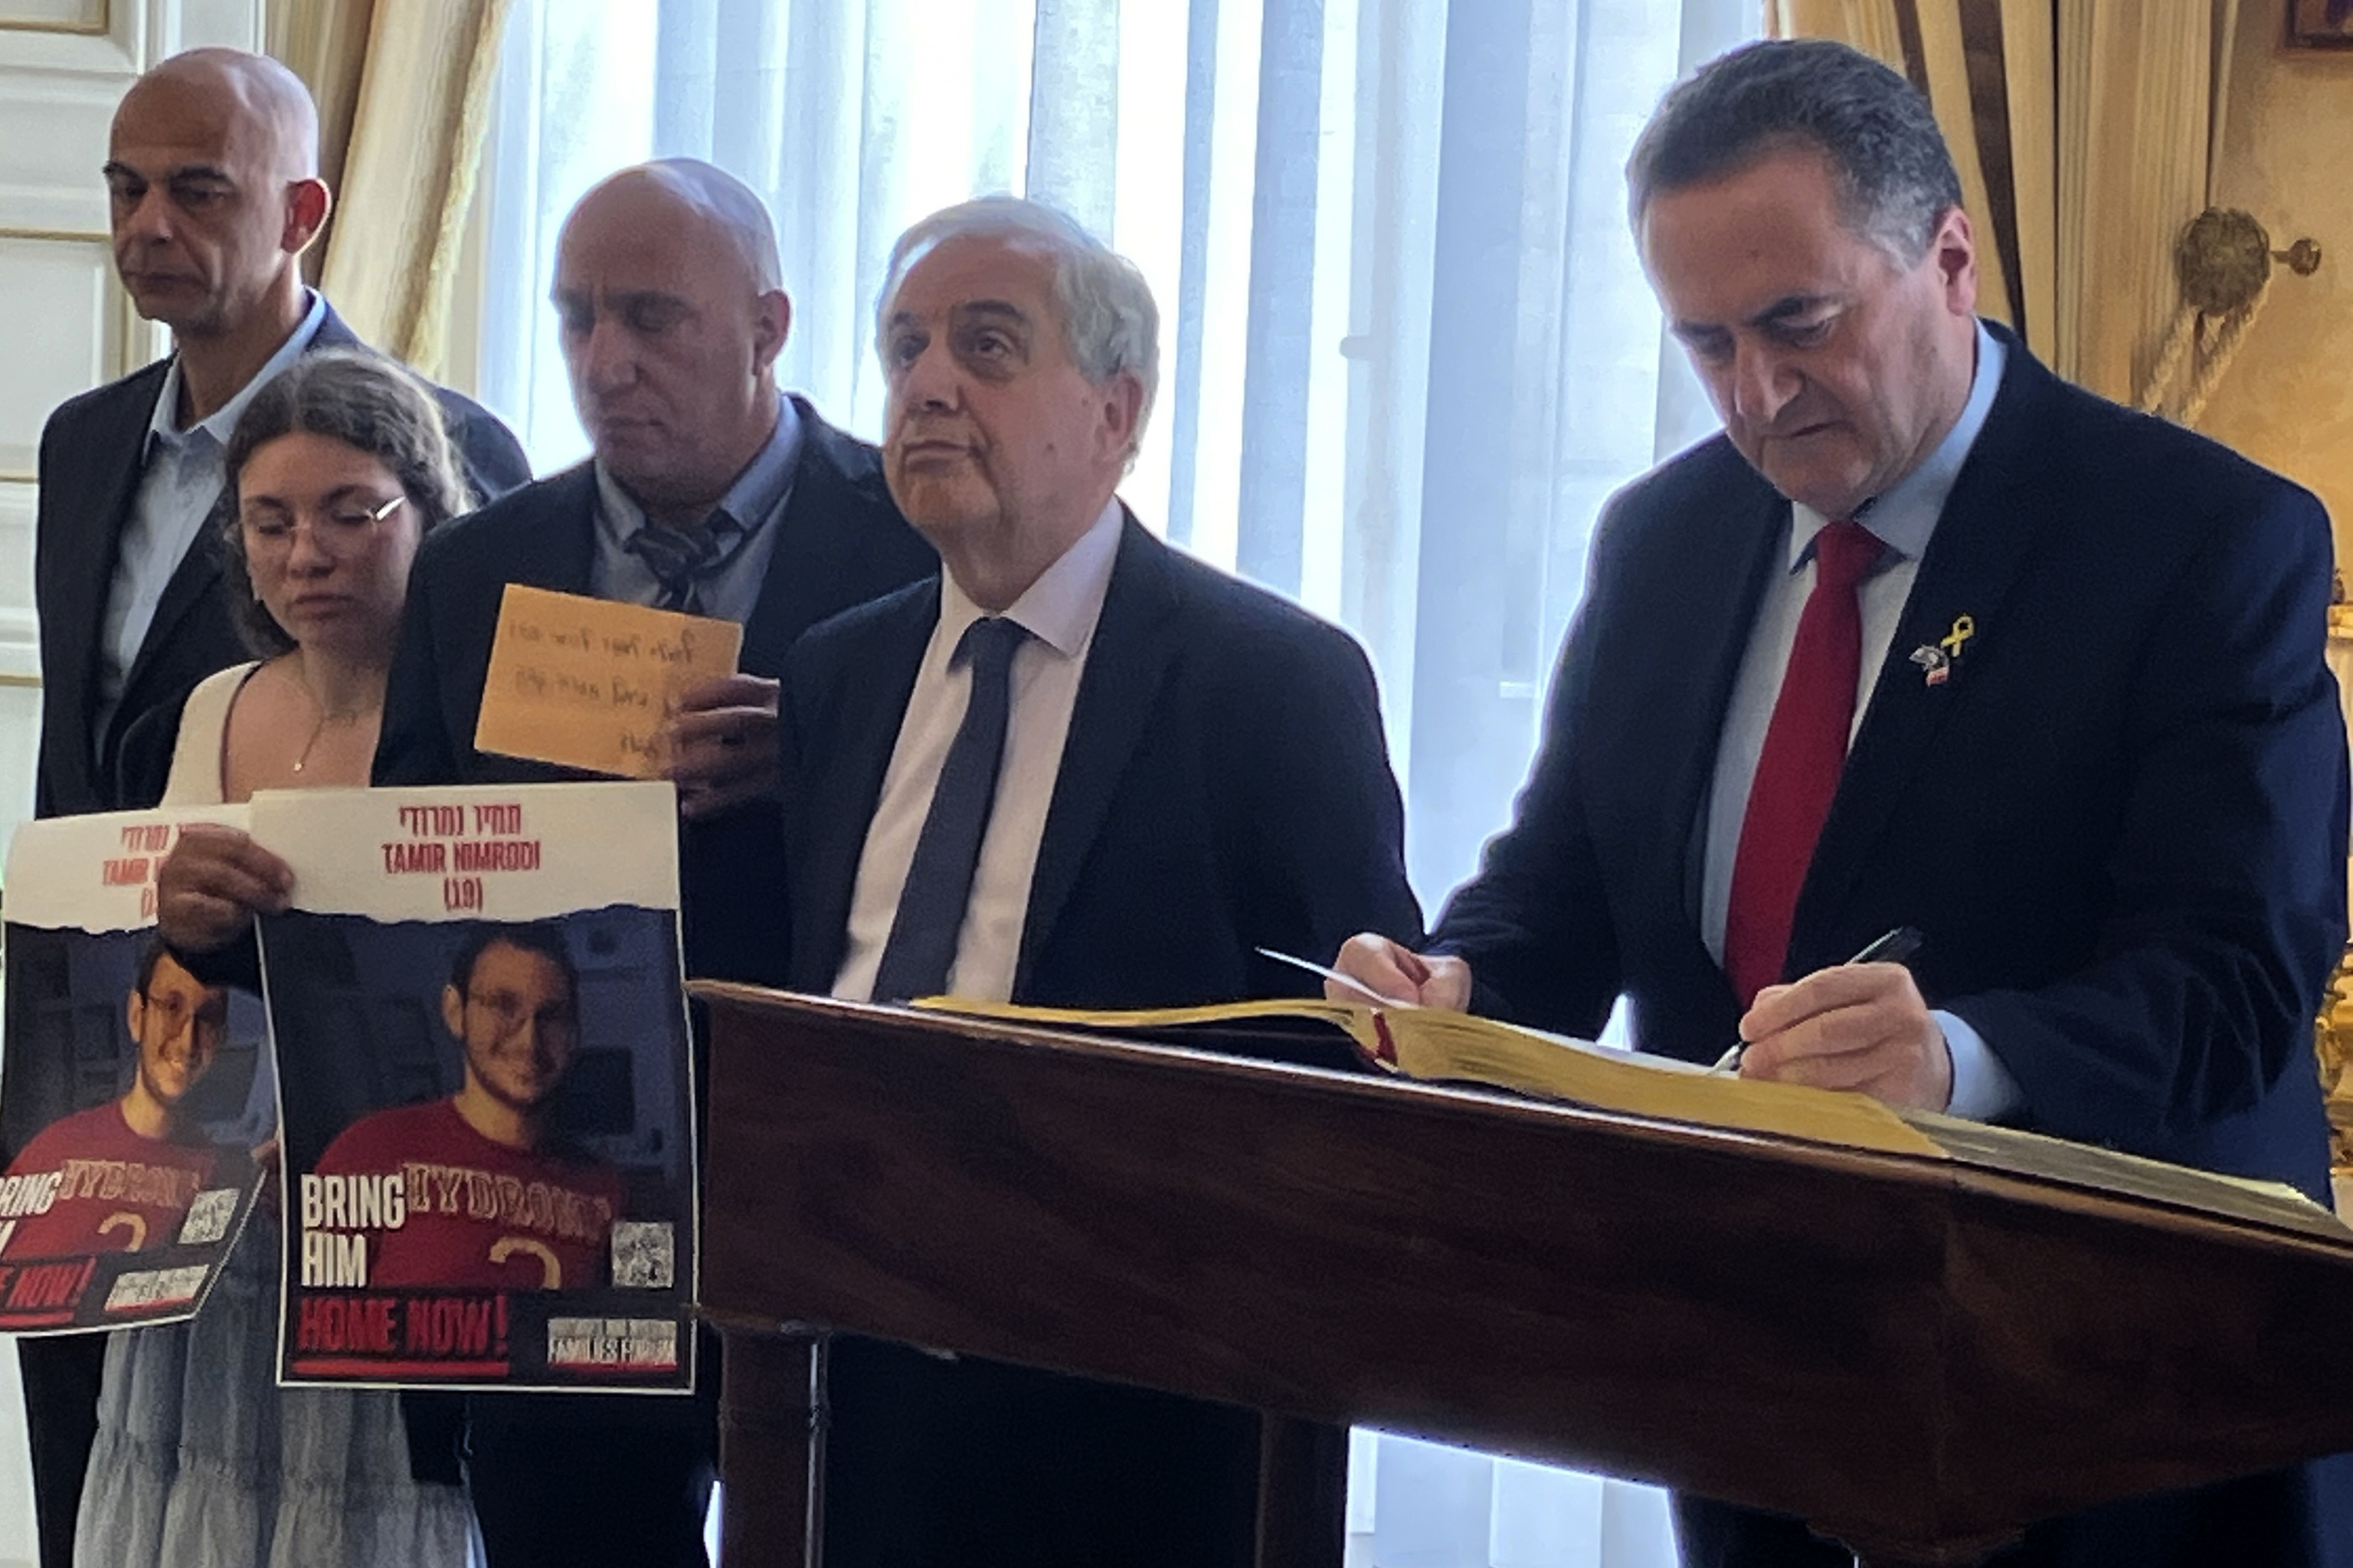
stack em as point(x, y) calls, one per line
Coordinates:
point(585, 682)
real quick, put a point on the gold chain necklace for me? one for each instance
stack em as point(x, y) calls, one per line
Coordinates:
point(320, 729)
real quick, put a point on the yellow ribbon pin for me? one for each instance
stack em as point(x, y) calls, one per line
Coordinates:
point(1963, 630)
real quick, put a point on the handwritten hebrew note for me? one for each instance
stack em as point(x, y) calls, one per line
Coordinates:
point(585, 682)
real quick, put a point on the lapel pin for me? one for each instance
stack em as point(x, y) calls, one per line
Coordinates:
point(1936, 659)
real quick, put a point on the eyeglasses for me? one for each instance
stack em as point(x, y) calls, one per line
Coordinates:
point(211, 1014)
point(509, 1012)
point(340, 526)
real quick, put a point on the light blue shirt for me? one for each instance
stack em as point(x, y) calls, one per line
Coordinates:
point(1904, 520)
point(755, 500)
point(181, 475)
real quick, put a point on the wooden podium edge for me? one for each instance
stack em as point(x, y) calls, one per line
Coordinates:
point(1957, 1181)
point(1959, 1175)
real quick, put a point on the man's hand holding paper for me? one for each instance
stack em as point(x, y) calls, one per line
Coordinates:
point(629, 690)
point(720, 745)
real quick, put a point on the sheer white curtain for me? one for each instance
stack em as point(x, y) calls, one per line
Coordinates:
point(1407, 350)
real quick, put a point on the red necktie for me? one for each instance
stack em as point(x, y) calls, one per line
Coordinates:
point(1797, 771)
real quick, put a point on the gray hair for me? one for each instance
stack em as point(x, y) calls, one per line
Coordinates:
point(369, 404)
point(1109, 321)
point(1894, 175)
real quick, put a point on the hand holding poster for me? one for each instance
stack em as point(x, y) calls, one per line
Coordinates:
point(478, 1015)
point(132, 1104)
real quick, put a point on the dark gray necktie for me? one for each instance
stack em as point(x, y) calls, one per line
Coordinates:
point(922, 944)
point(683, 560)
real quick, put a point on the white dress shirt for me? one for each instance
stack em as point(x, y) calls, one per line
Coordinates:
point(180, 482)
point(1904, 520)
point(1060, 611)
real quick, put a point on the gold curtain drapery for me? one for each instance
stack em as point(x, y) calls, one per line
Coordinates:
point(2085, 132)
point(403, 87)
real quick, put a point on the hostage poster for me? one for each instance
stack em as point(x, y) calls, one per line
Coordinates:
point(479, 1014)
point(133, 1097)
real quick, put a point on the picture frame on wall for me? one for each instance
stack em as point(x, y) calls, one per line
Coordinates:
point(2320, 24)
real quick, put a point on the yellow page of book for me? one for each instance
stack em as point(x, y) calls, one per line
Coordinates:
point(2013, 1152)
point(1441, 1047)
point(1438, 1047)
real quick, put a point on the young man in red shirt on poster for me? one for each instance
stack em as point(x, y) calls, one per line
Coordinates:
point(493, 1200)
point(126, 1172)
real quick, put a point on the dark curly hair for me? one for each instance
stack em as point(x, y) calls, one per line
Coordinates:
point(366, 402)
point(543, 937)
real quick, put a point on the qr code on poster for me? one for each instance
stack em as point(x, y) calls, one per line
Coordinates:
point(209, 1217)
point(644, 1254)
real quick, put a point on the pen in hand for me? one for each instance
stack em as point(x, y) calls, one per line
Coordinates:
point(1350, 981)
point(1891, 949)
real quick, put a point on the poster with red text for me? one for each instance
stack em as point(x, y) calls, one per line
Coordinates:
point(484, 1081)
point(133, 1097)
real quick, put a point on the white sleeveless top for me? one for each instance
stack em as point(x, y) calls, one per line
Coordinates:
point(196, 756)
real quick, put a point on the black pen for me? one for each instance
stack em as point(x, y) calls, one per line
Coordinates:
point(1892, 949)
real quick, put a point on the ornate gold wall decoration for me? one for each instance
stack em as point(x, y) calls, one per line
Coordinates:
point(2333, 1033)
point(2224, 259)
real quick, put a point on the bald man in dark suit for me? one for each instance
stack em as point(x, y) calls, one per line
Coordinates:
point(212, 175)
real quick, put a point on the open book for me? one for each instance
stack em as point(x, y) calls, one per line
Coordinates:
point(1437, 1046)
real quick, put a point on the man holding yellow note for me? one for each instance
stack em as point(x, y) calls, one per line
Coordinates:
point(715, 509)
point(714, 502)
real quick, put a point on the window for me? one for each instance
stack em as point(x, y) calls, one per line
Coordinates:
point(1408, 349)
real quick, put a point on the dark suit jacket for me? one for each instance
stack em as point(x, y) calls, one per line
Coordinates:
point(842, 543)
point(1224, 785)
point(2120, 824)
point(92, 453)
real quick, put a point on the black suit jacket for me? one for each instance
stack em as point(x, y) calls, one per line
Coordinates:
point(2120, 822)
point(1224, 785)
point(841, 543)
point(93, 451)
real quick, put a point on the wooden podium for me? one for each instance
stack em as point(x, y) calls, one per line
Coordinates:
point(1917, 1357)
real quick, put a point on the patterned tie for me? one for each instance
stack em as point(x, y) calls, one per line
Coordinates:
point(932, 902)
point(1797, 771)
point(683, 560)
